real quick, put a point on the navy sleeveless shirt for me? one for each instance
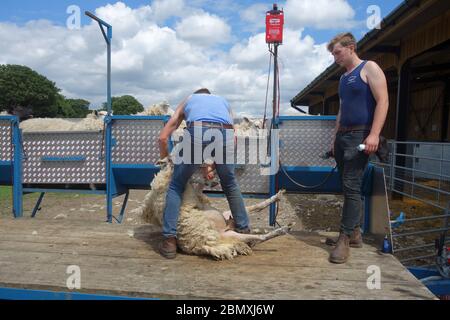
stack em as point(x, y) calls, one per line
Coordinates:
point(357, 101)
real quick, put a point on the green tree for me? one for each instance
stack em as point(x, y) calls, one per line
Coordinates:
point(72, 108)
point(79, 107)
point(64, 109)
point(21, 86)
point(125, 105)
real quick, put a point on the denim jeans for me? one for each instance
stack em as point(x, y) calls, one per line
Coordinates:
point(181, 174)
point(351, 166)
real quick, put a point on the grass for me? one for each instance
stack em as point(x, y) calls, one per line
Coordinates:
point(30, 199)
point(5, 193)
point(5, 199)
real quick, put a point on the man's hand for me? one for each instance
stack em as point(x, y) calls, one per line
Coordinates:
point(162, 163)
point(371, 143)
point(208, 171)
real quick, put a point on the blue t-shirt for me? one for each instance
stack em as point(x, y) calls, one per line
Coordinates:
point(207, 107)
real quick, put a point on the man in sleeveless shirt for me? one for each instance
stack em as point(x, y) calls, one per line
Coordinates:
point(202, 112)
point(363, 108)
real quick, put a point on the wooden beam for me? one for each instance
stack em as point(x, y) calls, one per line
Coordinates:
point(401, 123)
point(385, 49)
point(334, 78)
point(445, 113)
point(403, 101)
point(431, 68)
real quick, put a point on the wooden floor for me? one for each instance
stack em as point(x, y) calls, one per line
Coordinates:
point(122, 260)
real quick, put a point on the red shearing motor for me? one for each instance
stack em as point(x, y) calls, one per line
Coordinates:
point(274, 25)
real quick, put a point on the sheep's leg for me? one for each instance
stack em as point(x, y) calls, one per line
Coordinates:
point(259, 206)
point(253, 239)
point(264, 204)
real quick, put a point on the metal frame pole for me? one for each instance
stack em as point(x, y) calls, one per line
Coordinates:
point(274, 176)
point(108, 120)
point(17, 170)
point(108, 37)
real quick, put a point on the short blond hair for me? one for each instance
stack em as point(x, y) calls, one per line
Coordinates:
point(345, 39)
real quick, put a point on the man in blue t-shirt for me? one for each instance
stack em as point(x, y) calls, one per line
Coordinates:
point(202, 112)
point(363, 108)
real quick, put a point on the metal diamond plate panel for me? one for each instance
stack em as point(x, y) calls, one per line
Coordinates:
point(304, 141)
point(5, 140)
point(63, 158)
point(136, 141)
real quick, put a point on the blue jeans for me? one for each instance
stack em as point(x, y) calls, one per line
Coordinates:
point(351, 166)
point(181, 174)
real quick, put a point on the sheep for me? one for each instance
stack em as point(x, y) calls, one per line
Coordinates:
point(163, 109)
point(100, 114)
point(158, 109)
point(248, 127)
point(202, 229)
point(92, 122)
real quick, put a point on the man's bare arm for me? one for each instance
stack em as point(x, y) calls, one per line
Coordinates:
point(169, 128)
point(336, 128)
point(338, 120)
point(378, 85)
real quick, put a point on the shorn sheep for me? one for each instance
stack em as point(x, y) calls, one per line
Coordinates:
point(203, 229)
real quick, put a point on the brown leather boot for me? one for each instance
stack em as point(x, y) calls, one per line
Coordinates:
point(244, 231)
point(168, 248)
point(341, 252)
point(355, 240)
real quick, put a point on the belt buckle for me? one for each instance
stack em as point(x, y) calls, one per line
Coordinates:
point(214, 124)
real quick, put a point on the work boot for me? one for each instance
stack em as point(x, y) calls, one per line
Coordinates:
point(341, 252)
point(355, 239)
point(168, 248)
point(243, 230)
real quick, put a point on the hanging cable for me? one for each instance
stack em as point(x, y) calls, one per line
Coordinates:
point(267, 89)
point(276, 114)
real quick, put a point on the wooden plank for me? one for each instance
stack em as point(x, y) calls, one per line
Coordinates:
point(230, 282)
point(318, 271)
point(297, 245)
point(289, 267)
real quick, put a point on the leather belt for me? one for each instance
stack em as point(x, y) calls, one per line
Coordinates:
point(209, 124)
point(354, 128)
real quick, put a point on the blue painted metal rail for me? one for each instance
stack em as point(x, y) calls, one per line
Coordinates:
point(29, 294)
point(11, 170)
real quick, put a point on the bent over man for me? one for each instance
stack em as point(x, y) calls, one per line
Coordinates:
point(202, 111)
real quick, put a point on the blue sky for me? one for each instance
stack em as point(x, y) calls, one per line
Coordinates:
point(22, 11)
point(156, 56)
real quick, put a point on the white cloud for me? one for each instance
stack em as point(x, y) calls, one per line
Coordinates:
point(320, 14)
point(163, 9)
point(255, 16)
point(204, 29)
point(300, 58)
point(125, 20)
point(154, 62)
